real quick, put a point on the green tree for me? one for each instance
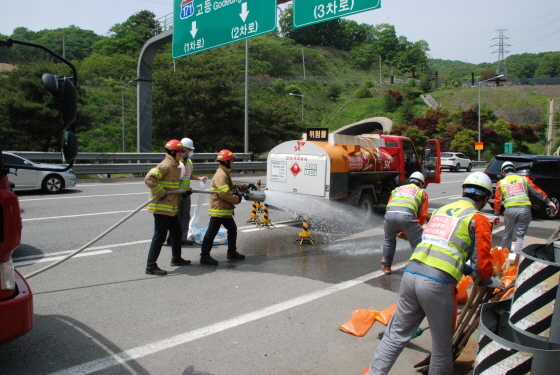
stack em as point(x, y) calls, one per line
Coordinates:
point(522, 66)
point(549, 65)
point(118, 67)
point(464, 142)
point(329, 33)
point(416, 135)
point(387, 42)
point(411, 55)
point(30, 117)
point(129, 37)
point(392, 99)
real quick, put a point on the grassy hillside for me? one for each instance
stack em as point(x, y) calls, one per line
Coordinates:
point(521, 104)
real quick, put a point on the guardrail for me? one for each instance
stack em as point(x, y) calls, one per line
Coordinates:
point(136, 163)
point(120, 163)
point(479, 163)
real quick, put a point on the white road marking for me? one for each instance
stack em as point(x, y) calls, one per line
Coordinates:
point(446, 197)
point(109, 184)
point(65, 252)
point(81, 215)
point(144, 350)
point(54, 259)
point(80, 196)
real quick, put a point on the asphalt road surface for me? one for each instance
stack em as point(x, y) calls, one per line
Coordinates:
point(277, 312)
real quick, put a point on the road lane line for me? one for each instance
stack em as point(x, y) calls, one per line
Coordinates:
point(447, 197)
point(53, 259)
point(81, 215)
point(66, 252)
point(144, 350)
point(80, 197)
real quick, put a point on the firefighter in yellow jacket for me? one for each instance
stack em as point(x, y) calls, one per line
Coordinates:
point(221, 209)
point(161, 179)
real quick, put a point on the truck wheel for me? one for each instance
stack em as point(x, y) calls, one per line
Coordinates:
point(366, 206)
point(547, 213)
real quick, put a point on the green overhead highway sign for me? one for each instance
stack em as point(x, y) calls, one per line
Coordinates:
point(200, 25)
point(308, 12)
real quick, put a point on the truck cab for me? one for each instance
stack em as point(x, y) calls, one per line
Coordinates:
point(16, 299)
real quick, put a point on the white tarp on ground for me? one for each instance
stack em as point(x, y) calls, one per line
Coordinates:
point(196, 233)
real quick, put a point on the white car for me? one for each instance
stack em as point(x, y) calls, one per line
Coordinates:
point(51, 181)
point(454, 161)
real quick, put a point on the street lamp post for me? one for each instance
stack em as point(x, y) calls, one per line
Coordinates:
point(122, 108)
point(479, 82)
point(301, 104)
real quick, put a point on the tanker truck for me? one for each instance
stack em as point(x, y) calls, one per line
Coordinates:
point(354, 164)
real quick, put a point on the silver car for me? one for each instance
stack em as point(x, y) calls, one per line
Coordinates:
point(454, 161)
point(28, 179)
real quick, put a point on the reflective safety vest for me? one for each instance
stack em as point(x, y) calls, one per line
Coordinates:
point(446, 239)
point(409, 196)
point(187, 170)
point(515, 191)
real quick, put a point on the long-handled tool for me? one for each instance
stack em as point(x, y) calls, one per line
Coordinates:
point(251, 195)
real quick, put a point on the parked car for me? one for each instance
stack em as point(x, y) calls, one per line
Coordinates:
point(454, 161)
point(543, 171)
point(48, 181)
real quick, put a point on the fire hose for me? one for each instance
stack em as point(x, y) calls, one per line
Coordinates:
point(250, 195)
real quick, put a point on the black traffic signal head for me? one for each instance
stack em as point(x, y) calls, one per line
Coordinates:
point(64, 89)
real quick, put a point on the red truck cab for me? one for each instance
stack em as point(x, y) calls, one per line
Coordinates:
point(16, 299)
point(409, 161)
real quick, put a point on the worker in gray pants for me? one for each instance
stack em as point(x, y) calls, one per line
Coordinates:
point(455, 233)
point(514, 191)
point(406, 212)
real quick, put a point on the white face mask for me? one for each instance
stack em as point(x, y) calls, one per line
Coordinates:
point(190, 154)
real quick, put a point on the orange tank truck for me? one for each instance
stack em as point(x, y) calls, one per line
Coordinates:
point(360, 169)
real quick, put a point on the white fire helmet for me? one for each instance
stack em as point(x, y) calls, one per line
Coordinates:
point(187, 143)
point(508, 165)
point(417, 176)
point(478, 183)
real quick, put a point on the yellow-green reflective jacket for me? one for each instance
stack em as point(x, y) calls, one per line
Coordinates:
point(409, 196)
point(164, 177)
point(514, 190)
point(447, 237)
point(187, 170)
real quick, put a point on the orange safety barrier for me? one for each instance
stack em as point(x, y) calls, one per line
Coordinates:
point(462, 289)
point(499, 258)
point(361, 320)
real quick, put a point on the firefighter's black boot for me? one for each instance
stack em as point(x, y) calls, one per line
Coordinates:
point(205, 258)
point(234, 255)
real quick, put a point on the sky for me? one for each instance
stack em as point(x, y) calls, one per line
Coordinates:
point(454, 29)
